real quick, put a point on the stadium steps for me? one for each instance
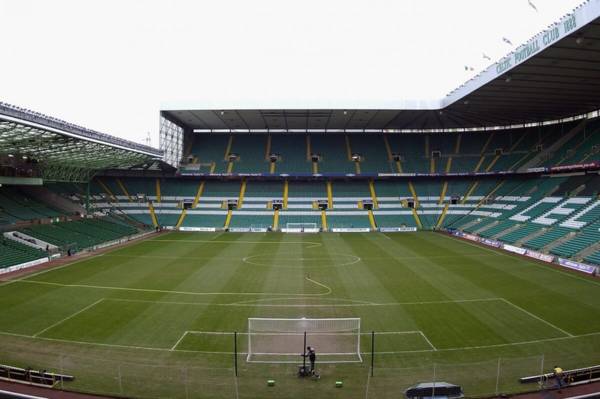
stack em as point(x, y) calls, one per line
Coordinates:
point(478, 166)
point(469, 224)
point(242, 193)
point(593, 258)
point(81, 233)
point(107, 190)
point(227, 219)
point(57, 202)
point(486, 224)
point(480, 223)
point(388, 150)
point(448, 165)
point(152, 214)
point(492, 192)
point(492, 163)
point(559, 241)
point(373, 194)
point(268, 145)
point(286, 191)
point(442, 217)
point(506, 232)
point(411, 187)
point(198, 194)
point(276, 220)
point(519, 231)
point(589, 236)
point(470, 191)
point(590, 250)
point(372, 220)
point(124, 189)
point(158, 196)
point(324, 220)
point(497, 229)
point(417, 219)
point(546, 238)
point(539, 230)
point(348, 147)
point(127, 220)
point(443, 192)
point(564, 138)
point(487, 143)
point(228, 148)
point(329, 195)
point(181, 219)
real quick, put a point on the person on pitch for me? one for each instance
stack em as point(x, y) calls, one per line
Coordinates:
point(311, 354)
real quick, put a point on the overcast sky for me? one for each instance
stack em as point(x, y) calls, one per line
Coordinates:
point(109, 65)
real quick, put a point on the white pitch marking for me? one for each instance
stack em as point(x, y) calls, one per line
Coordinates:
point(254, 301)
point(536, 317)
point(7, 282)
point(241, 304)
point(427, 340)
point(248, 260)
point(312, 243)
point(68, 317)
point(245, 353)
point(512, 256)
point(179, 340)
point(462, 348)
point(51, 269)
point(100, 287)
point(320, 284)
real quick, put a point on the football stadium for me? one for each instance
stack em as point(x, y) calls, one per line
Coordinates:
point(448, 248)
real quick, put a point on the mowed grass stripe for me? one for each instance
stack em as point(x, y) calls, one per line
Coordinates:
point(130, 322)
point(450, 290)
point(374, 278)
point(564, 302)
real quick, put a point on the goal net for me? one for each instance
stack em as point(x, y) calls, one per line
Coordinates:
point(336, 340)
point(300, 228)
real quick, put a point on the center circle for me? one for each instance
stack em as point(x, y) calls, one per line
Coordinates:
point(304, 262)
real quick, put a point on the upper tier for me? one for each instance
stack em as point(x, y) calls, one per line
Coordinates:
point(482, 151)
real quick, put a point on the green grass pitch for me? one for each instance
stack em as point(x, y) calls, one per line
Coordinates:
point(135, 321)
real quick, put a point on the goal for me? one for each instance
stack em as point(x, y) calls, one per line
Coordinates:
point(273, 340)
point(300, 228)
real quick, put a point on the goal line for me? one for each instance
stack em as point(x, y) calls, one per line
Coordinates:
point(300, 228)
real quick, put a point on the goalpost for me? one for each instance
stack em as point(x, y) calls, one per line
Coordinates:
point(300, 228)
point(274, 340)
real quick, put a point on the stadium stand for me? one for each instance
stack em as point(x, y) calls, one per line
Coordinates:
point(15, 206)
point(80, 234)
point(14, 253)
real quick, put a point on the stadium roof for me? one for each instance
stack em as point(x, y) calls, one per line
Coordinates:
point(553, 76)
point(65, 149)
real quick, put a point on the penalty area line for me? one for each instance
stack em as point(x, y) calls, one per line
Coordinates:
point(149, 348)
point(568, 334)
point(427, 340)
point(179, 340)
point(68, 317)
